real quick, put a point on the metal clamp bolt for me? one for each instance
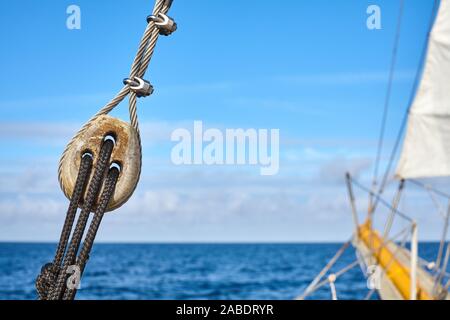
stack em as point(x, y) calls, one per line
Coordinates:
point(142, 87)
point(164, 23)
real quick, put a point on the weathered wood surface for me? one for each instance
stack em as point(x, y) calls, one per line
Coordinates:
point(126, 152)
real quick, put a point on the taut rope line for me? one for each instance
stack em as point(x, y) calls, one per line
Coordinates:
point(387, 99)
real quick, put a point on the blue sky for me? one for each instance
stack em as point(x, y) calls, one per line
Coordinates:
point(310, 68)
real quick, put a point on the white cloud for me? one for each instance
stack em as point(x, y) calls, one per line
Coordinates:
point(168, 205)
point(213, 206)
point(307, 201)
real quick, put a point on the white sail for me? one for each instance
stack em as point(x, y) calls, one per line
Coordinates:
point(426, 148)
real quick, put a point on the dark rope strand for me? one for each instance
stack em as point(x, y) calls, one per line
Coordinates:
point(49, 271)
point(91, 197)
point(80, 187)
point(108, 191)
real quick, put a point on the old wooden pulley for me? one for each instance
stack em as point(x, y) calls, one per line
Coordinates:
point(126, 154)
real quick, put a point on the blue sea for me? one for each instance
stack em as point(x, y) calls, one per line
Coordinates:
point(189, 271)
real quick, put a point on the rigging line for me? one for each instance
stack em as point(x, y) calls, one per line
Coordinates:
point(312, 286)
point(443, 239)
point(446, 216)
point(108, 192)
point(382, 201)
point(437, 204)
point(411, 98)
point(50, 271)
point(337, 274)
point(387, 100)
point(94, 188)
point(441, 275)
point(429, 187)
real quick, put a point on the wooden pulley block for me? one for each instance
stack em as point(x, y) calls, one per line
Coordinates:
point(126, 153)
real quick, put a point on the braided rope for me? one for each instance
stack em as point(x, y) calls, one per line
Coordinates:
point(45, 280)
point(50, 271)
point(95, 185)
point(108, 191)
point(138, 68)
point(78, 192)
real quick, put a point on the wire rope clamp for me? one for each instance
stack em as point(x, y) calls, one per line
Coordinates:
point(164, 23)
point(143, 88)
point(126, 153)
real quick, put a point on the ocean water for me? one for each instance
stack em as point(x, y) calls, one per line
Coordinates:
point(189, 271)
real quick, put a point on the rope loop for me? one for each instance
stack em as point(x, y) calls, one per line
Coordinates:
point(46, 280)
